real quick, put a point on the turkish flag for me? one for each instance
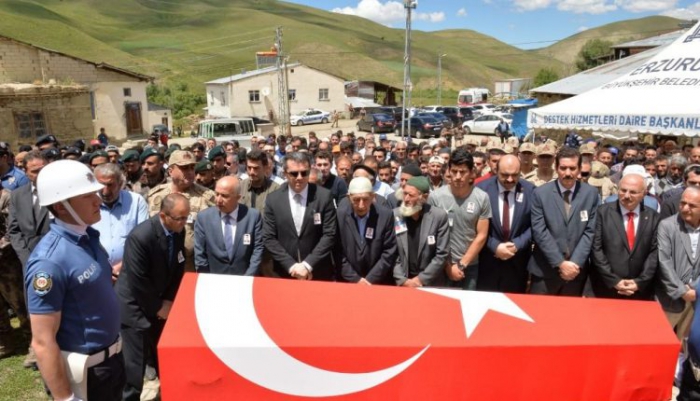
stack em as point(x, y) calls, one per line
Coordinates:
point(244, 338)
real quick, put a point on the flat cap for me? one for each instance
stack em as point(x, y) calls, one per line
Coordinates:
point(216, 151)
point(203, 166)
point(130, 155)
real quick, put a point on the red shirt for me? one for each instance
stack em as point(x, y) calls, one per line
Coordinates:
point(484, 177)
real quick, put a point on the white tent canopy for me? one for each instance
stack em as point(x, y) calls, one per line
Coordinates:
point(660, 97)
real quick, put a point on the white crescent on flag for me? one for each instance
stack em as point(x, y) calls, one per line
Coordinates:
point(238, 339)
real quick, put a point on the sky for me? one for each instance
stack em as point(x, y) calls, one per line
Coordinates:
point(523, 23)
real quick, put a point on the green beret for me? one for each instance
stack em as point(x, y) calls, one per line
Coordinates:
point(148, 153)
point(420, 183)
point(98, 153)
point(202, 166)
point(130, 155)
point(216, 151)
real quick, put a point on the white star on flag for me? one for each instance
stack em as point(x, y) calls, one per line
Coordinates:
point(475, 304)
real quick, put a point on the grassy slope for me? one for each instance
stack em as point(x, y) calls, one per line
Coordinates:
point(199, 40)
point(617, 32)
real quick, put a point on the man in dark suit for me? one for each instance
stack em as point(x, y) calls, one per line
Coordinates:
point(672, 198)
point(299, 227)
point(503, 261)
point(152, 269)
point(27, 224)
point(563, 224)
point(625, 251)
point(328, 180)
point(422, 238)
point(366, 246)
point(228, 238)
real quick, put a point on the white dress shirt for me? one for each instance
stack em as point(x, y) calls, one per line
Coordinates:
point(234, 223)
point(304, 199)
point(625, 218)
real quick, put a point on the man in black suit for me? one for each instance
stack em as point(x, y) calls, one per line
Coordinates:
point(328, 180)
point(27, 223)
point(299, 226)
point(366, 247)
point(563, 224)
point(152, 269)
point(503, 261)
point(625, 251)
point(672, 198)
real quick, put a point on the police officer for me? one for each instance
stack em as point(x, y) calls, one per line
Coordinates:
point(204, 174)
point(73, 308)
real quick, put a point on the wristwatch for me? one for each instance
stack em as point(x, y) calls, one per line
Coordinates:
point(460, 266)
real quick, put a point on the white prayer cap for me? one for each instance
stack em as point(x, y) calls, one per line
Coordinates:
point(360, 185)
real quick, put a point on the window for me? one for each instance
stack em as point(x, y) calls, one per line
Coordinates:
point(211, 98)
point(30, 125)
point(323, 94)
point(292, 95)
point(223, 98)
point(127, 92)
point(254, 96)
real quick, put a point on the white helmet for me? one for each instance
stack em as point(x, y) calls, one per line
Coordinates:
point(64, 179)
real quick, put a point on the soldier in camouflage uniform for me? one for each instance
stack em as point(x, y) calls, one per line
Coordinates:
point(181, 171)
point(132, 168)
point(11, 284)
point(544, 172)
point(153, 172)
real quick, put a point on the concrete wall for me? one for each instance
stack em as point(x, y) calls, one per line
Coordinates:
point(20, 63)
point(306, 81)
point(67, 116)
point(156, 117)
point(110, 110)
point(218, 102)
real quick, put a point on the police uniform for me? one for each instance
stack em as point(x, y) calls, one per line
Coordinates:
point(69, 272)
point(200, 198)
point(13, 179)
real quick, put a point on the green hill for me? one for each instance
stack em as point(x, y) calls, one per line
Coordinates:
point(618, 32)
point(193, 41)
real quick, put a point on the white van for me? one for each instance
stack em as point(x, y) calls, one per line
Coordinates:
point(472, 96)
point(226, 128)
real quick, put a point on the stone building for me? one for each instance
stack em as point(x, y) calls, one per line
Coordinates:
point(116, 97)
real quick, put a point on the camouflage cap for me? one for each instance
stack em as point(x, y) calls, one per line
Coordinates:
point(182, 158)
point(528, 147)
point(546, 149)
point(203, 166)
point(472, 141)
point(586, 150)
point(509, 149)
point(599, 172)
point(495, 147)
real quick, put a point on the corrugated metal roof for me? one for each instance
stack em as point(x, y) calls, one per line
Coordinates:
point(653, 41)
point(249, 74)
point(598, 76)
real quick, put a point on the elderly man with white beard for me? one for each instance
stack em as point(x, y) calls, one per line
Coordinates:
point(422, 237)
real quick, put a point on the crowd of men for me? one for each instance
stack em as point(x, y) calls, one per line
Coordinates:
point(582, 219)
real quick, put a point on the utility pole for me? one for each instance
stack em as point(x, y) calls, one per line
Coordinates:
point(282, 92)
point(439, 79)
point(407, 85)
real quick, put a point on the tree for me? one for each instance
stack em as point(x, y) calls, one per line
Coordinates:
point(590, 53)
point(177, 96)
point(544, 76)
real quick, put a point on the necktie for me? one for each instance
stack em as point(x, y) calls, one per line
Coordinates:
point(297, 213)
point(171, 249)
point(228, 235)
point(567, 202)
point(505, 216)
point(630, 229)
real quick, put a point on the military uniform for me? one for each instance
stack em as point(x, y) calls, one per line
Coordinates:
point(142, 187)
point(255, 198)
point(535, 179)
point(200, 198)
point(11, 284)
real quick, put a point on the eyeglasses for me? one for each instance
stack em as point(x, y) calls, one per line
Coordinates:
point(302, 173)
point(178, 219)
point(585, 173)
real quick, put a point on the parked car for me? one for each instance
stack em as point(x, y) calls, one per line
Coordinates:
point(483, 108)
point(485, 124)
point(453, 114)
point(446, 121)
point(377, 122)
point(310, 116)
point(422, 127)
point(431, 108)
point(467, 113)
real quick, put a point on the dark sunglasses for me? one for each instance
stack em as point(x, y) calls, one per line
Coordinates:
point(302, 173)
point(585, 173)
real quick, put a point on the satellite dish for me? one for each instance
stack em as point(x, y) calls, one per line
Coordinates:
point(266, 91)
